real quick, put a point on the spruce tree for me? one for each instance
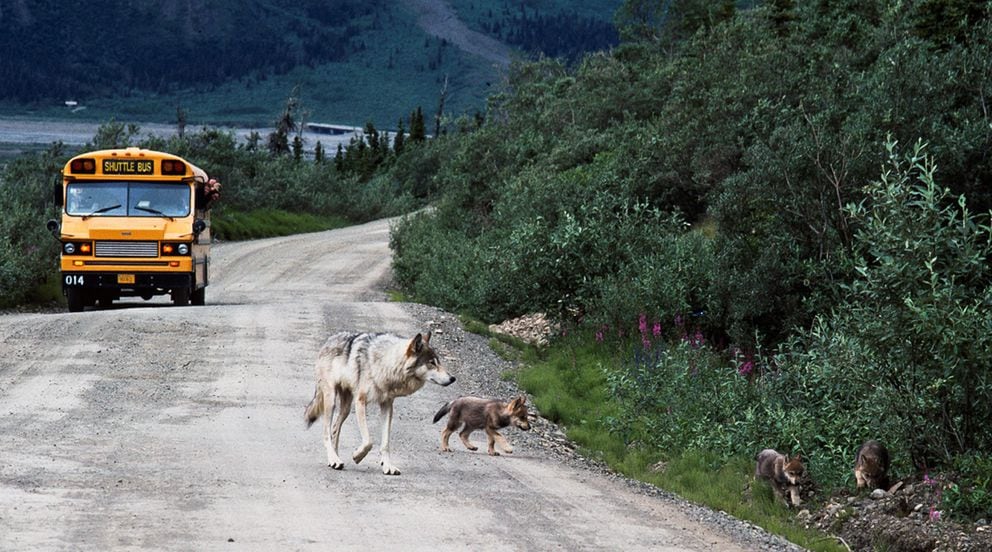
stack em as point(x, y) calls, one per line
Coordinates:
point(418, 133)
point(400, 138)
point(297, 147)
point(339, 159)
point(318, 153)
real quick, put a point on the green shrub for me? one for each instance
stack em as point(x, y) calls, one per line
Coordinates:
point(28, 252)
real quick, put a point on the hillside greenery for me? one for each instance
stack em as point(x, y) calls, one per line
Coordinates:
point(777, 218)
point(233, 63)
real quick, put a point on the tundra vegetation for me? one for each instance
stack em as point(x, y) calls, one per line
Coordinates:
point(759, 228)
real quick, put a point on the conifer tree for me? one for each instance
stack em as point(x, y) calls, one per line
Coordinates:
point(318, 153)
point(418, 133)
point(339, 159)
point(400, 139)
point(297, 147)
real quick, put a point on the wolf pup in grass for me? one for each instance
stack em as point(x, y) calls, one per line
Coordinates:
point(783, 472)
point(488, 414)
point(871, 465)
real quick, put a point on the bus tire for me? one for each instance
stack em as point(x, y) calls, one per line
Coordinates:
point(199, 297)
point(180, 296)
point(76, 298)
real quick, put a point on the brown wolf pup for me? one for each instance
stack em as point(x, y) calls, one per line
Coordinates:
point(782, 471)
point(871, 465)
point(489, 414)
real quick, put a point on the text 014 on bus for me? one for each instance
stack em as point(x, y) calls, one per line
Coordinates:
point(134, 223)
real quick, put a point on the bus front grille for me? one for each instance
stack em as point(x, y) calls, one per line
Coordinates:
point(126, 249)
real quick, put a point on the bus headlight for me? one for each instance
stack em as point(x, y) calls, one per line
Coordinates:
point(173, 249)
point(69, 248)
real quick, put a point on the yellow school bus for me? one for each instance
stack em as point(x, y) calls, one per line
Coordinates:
point(136, 223)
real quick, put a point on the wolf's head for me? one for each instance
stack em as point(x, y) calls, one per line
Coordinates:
point(517, 411)
point(870, 469)
point(793, 469)
point(424, 362)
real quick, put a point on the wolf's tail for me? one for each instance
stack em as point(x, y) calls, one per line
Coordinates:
point(440, 413)
point(315, 408)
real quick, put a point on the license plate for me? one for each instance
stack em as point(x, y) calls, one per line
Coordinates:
point(125, 278)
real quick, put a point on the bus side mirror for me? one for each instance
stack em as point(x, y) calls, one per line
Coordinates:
point(199, 226)
point(57, 194)
point(53, 227)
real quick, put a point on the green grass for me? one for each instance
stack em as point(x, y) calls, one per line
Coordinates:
point(264, 223)
point(568, 385)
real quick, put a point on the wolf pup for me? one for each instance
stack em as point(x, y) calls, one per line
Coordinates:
point(782, 471)
point(369, 367)
point(871, 465)
point(489, 414)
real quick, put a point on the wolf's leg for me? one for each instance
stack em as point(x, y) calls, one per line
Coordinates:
point(363, 426)
point(779, 493)
point(794, 494)
point(464, 437)
point(387, 425)
point(493, 436)
point(444, 440)
point(330, 443)
point(343, 411)
point(860, 478)
point(503, 443)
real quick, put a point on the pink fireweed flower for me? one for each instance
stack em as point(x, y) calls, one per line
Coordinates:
point(697, 340)
point(934, 514)
point(746, 368)
point(646, 342)
point(642, 323)
point(656, 329)
point(599, 336)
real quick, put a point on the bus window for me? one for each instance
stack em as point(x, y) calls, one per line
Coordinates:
point(96, 199)
point(152, 198)
point(132, 199)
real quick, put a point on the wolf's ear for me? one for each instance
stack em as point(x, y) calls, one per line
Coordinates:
point(416, 345)
point(427, 338)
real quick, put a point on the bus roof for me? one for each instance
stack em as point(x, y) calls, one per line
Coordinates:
point(126, 155)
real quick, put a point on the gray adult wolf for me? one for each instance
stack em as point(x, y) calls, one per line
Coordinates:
point(369, 367)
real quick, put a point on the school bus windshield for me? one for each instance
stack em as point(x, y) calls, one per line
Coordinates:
point(127, 199)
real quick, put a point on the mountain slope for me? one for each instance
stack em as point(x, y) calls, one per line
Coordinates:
point(348, 61)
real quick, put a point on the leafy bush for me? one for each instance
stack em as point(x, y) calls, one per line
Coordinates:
point(28, 252)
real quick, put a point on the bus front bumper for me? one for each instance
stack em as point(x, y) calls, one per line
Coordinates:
point(134, 281)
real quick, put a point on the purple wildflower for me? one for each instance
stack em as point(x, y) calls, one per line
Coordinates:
point(746, 368)
point(656, 329)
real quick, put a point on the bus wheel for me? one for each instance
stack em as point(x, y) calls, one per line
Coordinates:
point(199, 297)
point(180, 296)
point(76, 298)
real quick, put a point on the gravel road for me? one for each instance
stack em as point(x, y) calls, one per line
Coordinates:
point(152, 427)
